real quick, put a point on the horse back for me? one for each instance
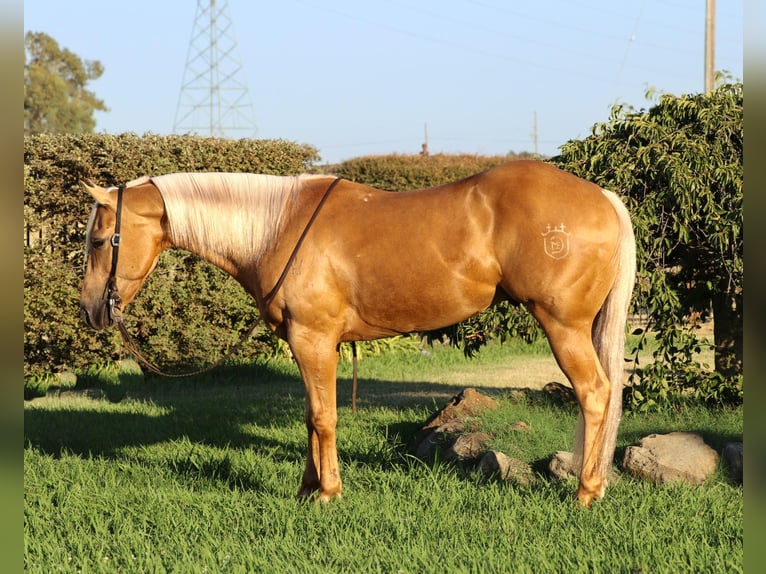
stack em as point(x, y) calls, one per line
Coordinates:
point(392, 262)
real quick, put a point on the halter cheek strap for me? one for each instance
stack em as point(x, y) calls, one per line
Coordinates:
point(112, 295)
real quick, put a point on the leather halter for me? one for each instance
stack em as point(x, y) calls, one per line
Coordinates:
point(112, 295)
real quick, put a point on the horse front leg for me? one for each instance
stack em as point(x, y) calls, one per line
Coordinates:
point(318, 363)
point(310, 479)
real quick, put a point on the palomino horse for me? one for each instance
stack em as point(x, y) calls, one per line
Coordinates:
point(376, 263)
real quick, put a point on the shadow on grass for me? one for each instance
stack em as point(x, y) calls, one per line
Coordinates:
point(201, 409)
point(228, 408)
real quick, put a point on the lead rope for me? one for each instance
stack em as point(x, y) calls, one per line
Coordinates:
point(355, 379)
point(131, 347)
point(271, 294)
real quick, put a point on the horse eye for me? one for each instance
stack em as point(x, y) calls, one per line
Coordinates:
point(98, 243)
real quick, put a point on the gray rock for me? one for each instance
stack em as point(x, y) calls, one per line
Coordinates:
point(677, 456)
point(428, 446)
point(467, 447)
point(563, 465)
point(434, 441)
point(502, 466)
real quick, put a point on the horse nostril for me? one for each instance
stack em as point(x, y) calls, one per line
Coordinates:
point(85, 316)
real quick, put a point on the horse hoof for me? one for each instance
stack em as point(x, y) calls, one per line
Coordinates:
point(586, 497)
point(328, 497)
point(308, 493)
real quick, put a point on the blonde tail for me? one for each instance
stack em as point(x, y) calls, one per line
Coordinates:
point(609, 330)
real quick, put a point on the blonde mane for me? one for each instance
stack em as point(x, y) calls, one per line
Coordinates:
point(233, 215)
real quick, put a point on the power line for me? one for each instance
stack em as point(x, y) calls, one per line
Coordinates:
point(457, 45)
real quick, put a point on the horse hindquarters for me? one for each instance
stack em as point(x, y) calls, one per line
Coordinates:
point(590, 351)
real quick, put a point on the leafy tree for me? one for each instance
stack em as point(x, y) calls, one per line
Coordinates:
point(679, 166)
point(55, 96)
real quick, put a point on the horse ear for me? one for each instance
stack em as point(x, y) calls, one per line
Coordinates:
point(101, 195)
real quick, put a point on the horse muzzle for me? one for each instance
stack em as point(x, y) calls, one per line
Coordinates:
point(98, 317)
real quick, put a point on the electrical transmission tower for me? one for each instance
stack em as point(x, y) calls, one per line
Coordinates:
point(214, 99)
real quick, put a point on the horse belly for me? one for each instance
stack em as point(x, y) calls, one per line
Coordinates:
point(420, 295)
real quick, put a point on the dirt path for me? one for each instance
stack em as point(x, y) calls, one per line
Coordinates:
point(535, 371)
point(529, 372)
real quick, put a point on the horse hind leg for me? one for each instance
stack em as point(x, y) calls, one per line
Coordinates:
point(574, 351)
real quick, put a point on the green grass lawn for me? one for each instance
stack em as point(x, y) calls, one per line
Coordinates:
point(200, 475)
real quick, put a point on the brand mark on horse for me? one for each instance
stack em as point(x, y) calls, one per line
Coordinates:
point(556, 242)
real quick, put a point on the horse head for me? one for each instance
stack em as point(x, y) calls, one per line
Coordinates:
point(126, 234)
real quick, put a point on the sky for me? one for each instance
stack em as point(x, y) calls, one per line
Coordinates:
point(356, 78)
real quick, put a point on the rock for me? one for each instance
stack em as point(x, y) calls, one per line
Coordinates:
point(439, 431)
point(467, 447)
point(427, 447)
point(521, 426)
point(563, 465)
point(677, 456)
point(732, 455)
point(561, 394)
point(453, 427)
point(498, 464)
point(468, 403)
point(430, 441)
point(448, 435)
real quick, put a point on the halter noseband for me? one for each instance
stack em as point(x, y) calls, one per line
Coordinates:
point(112, 295)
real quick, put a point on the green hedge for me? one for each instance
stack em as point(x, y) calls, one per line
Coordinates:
point(189, 311)
point(402, 172)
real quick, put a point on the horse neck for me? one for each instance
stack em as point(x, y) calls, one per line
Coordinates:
point(230, 220)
